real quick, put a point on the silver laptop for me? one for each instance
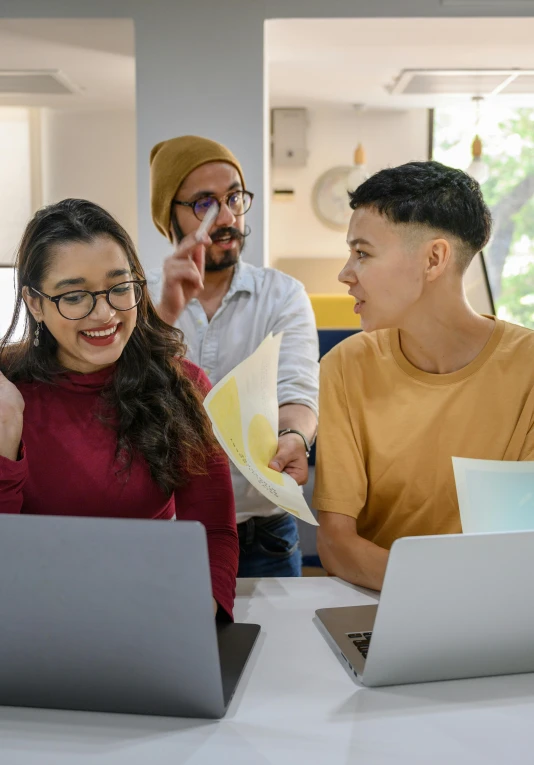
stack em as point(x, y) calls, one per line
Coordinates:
point(451, 607)
point(113, 615)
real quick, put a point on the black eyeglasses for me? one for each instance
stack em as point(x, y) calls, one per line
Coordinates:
point(80, 303)
point(238, 202)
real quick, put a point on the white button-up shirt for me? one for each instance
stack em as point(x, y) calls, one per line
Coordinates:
point(259, 301)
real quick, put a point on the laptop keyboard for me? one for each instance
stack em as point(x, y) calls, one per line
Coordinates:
point(361, 640)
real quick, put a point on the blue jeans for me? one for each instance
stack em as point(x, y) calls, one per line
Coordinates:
point(269, 547)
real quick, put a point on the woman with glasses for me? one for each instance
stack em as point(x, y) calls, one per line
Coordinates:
point(100, 413)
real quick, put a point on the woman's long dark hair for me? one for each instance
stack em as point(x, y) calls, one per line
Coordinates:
point(152, 405)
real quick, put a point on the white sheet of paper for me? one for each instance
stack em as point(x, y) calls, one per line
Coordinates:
point(494, 495)
point(243, 409)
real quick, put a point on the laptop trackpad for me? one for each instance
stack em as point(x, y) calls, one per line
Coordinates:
point(236, 642)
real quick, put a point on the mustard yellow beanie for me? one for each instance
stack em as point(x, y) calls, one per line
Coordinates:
point(170, 164)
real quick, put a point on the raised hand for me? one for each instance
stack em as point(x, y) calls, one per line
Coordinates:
point(183, 276)
point(11, 418)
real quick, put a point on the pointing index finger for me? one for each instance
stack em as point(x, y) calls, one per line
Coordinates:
point(199, 259)
point(207, 221)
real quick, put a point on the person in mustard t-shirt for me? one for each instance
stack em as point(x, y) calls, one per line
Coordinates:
point(427, 379)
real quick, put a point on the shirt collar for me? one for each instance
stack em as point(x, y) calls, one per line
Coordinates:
point(242, 280)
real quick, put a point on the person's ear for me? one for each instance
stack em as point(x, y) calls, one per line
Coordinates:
point(33, 301)
point(438, 258)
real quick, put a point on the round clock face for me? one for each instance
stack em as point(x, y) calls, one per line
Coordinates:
point(330, 198)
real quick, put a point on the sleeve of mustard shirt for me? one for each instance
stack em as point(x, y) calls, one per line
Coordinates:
point(521, 445)
point(527, 450)
point(340, 476)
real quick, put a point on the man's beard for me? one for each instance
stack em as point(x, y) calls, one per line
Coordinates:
point(228, 260)
point(229, 257)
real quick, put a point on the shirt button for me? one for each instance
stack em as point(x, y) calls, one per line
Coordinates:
point(199, 321)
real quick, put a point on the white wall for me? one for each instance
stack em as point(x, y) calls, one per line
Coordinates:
point(91, 155)
point(389, 138)
point(200, 69)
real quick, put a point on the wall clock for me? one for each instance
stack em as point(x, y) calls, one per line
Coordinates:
point(330, 199)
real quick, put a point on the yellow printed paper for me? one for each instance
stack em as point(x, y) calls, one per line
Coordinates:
point(263, 443)
point(226, 412)
point(243, 409)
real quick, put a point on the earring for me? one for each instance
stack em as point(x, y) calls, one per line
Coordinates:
point(36, 334)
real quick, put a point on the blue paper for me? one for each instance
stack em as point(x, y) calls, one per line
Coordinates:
point(495, 496)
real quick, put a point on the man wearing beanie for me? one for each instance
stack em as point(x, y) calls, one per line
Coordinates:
point(225, 308)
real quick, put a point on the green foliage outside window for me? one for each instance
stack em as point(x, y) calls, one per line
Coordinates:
point(508, 140)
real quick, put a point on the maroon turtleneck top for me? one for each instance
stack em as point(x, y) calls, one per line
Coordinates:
point(67, 467)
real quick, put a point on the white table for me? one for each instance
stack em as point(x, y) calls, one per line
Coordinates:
point(296, 705)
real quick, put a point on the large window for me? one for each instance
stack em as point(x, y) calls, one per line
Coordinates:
point(508, 149)
point(7, 302)
point(15, 179)
point(15, 199)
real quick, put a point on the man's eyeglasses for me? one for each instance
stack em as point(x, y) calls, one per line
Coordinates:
point(80, 303)
point(238, 202)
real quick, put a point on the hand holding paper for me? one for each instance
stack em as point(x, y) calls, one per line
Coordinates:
point(291, 458)
point(243, 409)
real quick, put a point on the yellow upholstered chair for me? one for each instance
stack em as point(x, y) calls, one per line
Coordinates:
point(334, 312)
